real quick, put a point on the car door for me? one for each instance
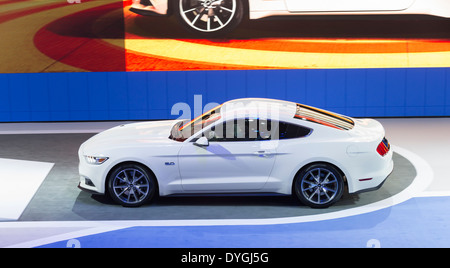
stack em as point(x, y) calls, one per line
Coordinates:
point(235, 162)
point(347, 5)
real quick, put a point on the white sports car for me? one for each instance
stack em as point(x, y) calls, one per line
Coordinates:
point(214, 17)
point(241, 146)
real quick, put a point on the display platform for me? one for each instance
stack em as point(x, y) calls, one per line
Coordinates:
point(58, 198)
point(61, 215)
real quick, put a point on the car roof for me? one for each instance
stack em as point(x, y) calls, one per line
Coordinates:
point(284, 111)
point(258, 108)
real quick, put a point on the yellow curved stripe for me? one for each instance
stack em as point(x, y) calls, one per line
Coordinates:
point(187, 51)
point(340, 40)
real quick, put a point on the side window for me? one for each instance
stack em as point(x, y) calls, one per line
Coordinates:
point(292, 131)
point(240, 130)
point(254, 130)
point(259, 129)
point(227, 131)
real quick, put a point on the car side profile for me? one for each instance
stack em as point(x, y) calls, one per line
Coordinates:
point(217, 17)
point(241, 146)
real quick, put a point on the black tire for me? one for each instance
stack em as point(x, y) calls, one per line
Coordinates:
point(209, 18)
point(131, 185)
point(319, 185)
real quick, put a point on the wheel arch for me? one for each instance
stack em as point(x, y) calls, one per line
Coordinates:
point(111, 170)
point(344, 177)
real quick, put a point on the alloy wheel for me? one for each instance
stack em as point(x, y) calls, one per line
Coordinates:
point(208, 15)
point(319, 186)
point(131, 186)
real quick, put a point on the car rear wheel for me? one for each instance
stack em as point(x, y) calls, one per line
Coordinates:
point(210, 18)
point(319, 185)
point(131, 185)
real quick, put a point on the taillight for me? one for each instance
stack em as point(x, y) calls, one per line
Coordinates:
point(383, 147)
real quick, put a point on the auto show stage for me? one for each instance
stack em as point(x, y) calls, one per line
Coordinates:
point(39, 166)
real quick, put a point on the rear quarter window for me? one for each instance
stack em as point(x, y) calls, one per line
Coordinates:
point(292, 131)
point(323, 117)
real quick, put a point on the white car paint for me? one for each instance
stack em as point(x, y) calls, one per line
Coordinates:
point(261, 166)
point(265, 8)
point(262, 8)
point(348, 5)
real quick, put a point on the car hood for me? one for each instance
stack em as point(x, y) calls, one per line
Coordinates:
point(129, 135)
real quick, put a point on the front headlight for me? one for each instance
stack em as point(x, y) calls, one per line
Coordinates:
point(95, 160)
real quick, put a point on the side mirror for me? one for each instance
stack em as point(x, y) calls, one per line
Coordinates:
point(202, 142)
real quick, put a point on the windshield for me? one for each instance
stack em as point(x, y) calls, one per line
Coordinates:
point(183, 130)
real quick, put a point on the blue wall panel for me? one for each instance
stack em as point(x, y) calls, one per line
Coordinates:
point(137, 95)
point(5, 106)
point(416, 85)
point(295, 85)
point(447, 93)
point(217, 80)
point(315, 88)
point(19, 98)
point(157, 97)
point(336, 98)
point(78, 96)
point(151, 95)
point(97, 96)
point(376, 92)
point(435, 92)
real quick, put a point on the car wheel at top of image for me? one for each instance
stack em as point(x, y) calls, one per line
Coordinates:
point(131, 185)
point(209, 18)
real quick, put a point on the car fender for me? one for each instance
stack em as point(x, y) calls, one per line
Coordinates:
point(340, 166)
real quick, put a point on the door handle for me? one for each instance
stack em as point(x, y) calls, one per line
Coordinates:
point(262, 153)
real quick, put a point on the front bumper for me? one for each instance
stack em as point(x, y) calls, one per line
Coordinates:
point(92, 176)
point(150, 7)
point(145, 12)
point(82, 186)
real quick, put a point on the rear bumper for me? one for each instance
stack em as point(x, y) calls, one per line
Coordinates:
point(376, 179)
point(383, 180)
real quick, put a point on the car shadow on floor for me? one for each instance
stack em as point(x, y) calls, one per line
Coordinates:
point(100, 207)
point(376, 26)
point(97, 207)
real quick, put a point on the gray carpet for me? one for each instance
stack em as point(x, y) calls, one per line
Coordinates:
point(59, 199)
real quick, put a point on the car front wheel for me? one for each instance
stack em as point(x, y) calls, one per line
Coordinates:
point(319, 186)
point(131, 185)
point(210, 17)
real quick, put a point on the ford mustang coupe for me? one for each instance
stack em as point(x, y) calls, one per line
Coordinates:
point(241, 146)
point(215, 17)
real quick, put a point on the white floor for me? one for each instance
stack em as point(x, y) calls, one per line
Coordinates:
point(429, 138)
point(19, 182)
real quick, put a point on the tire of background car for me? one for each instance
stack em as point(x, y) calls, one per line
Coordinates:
point(319, 185)
point(131, 185)
point(209, 18)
